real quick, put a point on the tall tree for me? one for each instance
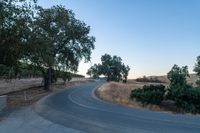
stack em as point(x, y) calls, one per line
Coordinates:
point(178, 81)
point(178, 76)
point(125, 71)
point(48, 39)
point(59, 41)
point(111, 67)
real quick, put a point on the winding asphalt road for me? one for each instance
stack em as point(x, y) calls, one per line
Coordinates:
point(78, 108)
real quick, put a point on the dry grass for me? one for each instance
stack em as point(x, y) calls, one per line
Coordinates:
point(191, 80)
point(119, 93)
point(30, 95)
point(8, 86)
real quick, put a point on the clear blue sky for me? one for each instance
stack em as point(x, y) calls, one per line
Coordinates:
point(149, 35)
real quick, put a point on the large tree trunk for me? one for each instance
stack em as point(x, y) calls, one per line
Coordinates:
point(46, 82)
point(108, 78)
point(49, 73)
point(47, 77)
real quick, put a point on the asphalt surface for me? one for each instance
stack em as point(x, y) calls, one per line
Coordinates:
point(25, 120)
point(78, 108)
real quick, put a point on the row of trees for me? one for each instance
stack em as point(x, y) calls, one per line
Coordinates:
point(185, 96)
point(49, 39)
point(111, 67)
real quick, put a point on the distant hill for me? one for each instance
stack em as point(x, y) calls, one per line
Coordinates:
point(192, 80)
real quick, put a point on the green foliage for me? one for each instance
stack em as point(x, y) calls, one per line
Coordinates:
point(152, 94)
point(30, 71)
point(7, 72)
point(94, 71)
point(66, 38)
point(178, 80)
point(15, 22)
point(188, 99)
point(125, 71)
point(49, 39)
point(66, 76)
point(111, 67)
point(185, 96)
point(197, 70)
point(178, 76)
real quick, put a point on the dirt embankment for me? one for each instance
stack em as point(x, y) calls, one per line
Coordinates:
point(119, 93)
point(30, 92)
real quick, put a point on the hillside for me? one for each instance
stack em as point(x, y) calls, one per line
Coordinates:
point(192, 79)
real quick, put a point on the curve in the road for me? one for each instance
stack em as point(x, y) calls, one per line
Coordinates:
point(78, 108)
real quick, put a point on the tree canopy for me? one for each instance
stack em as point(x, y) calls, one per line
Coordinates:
point(66, 37)
point(185, 95)
point(178, 81)
point(178, 76)
point(50, 39)
point(111, 67)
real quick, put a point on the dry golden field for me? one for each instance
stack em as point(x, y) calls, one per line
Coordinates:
point(119, 93)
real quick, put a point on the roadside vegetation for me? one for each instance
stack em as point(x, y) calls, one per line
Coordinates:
point(152, 94)
point(176, 95)
point(44, 42)
point(119, 93)
point(185, 96)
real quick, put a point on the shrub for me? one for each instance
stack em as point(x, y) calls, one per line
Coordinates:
point(174, 91)
point(152, 94)
point(188, 99)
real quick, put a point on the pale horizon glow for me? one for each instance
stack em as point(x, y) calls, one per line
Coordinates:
point(150, 36)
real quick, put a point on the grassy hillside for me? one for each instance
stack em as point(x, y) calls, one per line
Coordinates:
point(192, 80)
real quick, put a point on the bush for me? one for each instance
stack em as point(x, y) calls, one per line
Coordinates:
point(174, 91)
point(152, 94)
point(188, 99)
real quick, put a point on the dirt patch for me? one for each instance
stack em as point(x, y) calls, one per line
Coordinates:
point(30, 95)
point(119, 93)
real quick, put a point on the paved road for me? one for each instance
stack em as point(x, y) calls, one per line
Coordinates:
point(25, 120)
point(79, 109)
